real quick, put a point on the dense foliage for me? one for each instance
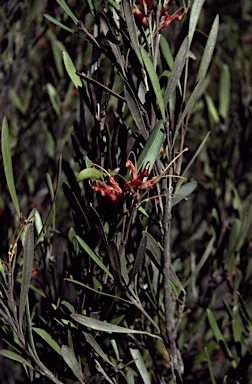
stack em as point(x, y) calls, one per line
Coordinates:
point(125, 205)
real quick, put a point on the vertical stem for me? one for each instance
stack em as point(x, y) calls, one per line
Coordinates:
point(169, 319)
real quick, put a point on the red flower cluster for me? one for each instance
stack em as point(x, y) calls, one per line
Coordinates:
point(136, 183)
point(35, 272)
point(165, 18)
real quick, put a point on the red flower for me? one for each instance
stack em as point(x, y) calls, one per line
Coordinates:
point(35, 272)
point(113, 191)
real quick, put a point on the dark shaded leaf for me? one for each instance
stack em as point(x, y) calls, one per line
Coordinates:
point(139, 257)
point(69, 357)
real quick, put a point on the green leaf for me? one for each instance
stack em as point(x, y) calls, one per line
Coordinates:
point(139, 257)
point(176, 70)
point(194, 18)
point(210, 367)
point(96, 259)
point(212, 110)
point(132, 28)
point(14, 356)
point(234, 235)
point(27, 265)
point(219, 336)
point(97, 348)
point(139, 361)
point(107, 327)
point(208, 51)
point(89, 173)
point(69, 357)
point(48, 339)
point(154, 81)
point(184, 191)
point(54, 97)
point(166, 51)
point(236, 325)
point(66, 8)
point(224, 91)
point(136, 112)
point(152, 147)
point(6, 153)
point(71, 70)
point(58, 23)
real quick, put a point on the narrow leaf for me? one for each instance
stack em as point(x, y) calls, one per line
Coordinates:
point(184, 191)
point(139, 257)
point(139, 361)
point(6, 153)
point(14, 356)
point(88, 173)
point(114, 258)
point(208, 51)
point(96, 259)
point(72, 362)
point(66, 8)
point(132, 28)
point(152, 147)
point(176, 70)
point(27, 267)
point(166, 51)
point(97, 348)
point(136, 113)
point(224, 91)
point(194, 18)
point(107, 327)
point(154, 81)
point(104, 374)
point(71, 70)
point(56, 22)
point(48, 339)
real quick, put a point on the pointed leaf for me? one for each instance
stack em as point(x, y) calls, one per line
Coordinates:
point(208, 51)
point(176, 70)
point(166, 51)
point(136, 113)
point(14, 356)
point(27, 266)
point(56, 22)
point(97, 348)
point(96, 259)
point(194, 18)
point(184, 191)
point(139, 361)
point(132, 28)
point(152, 147)
point(139, 257)
point(8, 164)
point(154, 81)
point(71, 70)
point(106, 327)
point(69, 357)
point(224, 91)
point(66, 8)
point(48, 339)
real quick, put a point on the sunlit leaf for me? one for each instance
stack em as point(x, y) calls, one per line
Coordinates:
point(212, 110)
point(69, 357)
point(166, 51)
point(6, 153)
